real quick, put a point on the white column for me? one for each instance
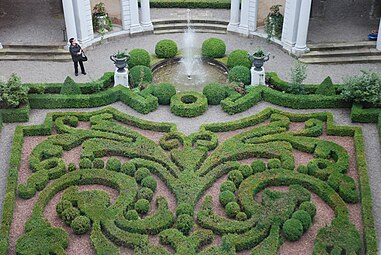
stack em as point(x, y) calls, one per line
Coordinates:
point(135, 25)
point(253, 15)
point(125, 13)
point(304, 20)
point(290, 24)
point(234, 15)
point(83, 20)
point(68, 9)
point(1, 46)
point(146, 15)
point(378, 38)
point(243, 27)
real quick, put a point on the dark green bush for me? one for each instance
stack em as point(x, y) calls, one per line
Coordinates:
point(213, 48)
point(149, 182)
point(274, 163)
point(163, 92)
point(62, 206)
point(80, 225)
point(13, 93)
point(184, 208)
point(304, 217)
point(85, 163)
point(98, 163)
point(166, 49)
point(188, 104)
point(138, 75)
point(258, 166)
point(239, 58)
point(145, 193)
point(228, 185)
point(232, 209)
point(132, 215)
point(236, 177)
point(113, 164)
point(69, 214)
point(139, 57)
point(303, 169)
point(292, 230)
point(308, 207)
point(241, 216)
point(246, 170)
point(71, 167)
point(69, 87)
point(184, 223)
point(326, 88)
point(214, 92)
point(240, 74)
point(128, 168)
point(141, 173)
point(226, 197)
point(142, 206)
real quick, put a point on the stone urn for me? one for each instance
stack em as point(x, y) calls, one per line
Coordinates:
point(120, 61)
point(259, 61)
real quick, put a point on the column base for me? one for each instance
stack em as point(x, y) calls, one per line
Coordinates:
point(147, 26)
point(288, 46)
point(232, 27)
point(121, 78)
point(257, 77)
point(243, 30)
point(136, 29)
point(299, 51)
point(1, 46)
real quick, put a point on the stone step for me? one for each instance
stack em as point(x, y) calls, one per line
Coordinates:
point(184, 26)
point(33, 46)
point(341, 59)
point(341, 46)
point(173, 31)
point(39, 52)
point(193, 21)
point(29, 57)
point(342, 52)
point(33, 51)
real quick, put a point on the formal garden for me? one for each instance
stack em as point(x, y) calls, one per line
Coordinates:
point(106, 182)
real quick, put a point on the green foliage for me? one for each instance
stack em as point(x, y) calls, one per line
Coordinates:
point(166, 49)
point(149, 182)
point(139, 74)
point(213, 48)
point(236, 177)
point(132, 215)
point(292, 229)
point(304, 217)
point(326, 88)
point(215, 92)
point(364, 88)
point(163, 92)
point(98, 163)
point(246, 170)
point(62, 206)
point(141, 173)
point(113, 164)
point(309, 207)
point(13, 93)
point(188, 104)
point(240, 74)
point(298, 75)
point(80, 225)
point(139, 57)
point(184, 223)
point(228, 185)
point(258, 166)
point(273, 163)
point(69, 214)
point(274, 23)
point(239, 58)
point(145, 193)
point(232, 209)
point(226, 197)
point(85, 163)
point(128, 168)
point(241, 216)
point(70, 87)
point(142, 206)
point(184, 208)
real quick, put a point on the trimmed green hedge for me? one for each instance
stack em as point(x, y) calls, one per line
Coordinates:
point(188, 104)
point(215, 4)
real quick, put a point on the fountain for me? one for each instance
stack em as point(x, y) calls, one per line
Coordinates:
point(189, 59)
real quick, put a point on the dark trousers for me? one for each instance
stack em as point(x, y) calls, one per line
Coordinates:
point(76, 66)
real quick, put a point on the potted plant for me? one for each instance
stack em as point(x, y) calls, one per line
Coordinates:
point(120, 59)
point(258, 58)
point(101, 21)
point(274, 22)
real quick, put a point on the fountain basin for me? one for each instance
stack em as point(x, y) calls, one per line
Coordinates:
point(205, 71)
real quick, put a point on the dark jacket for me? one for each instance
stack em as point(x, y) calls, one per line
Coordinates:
point(74, 50)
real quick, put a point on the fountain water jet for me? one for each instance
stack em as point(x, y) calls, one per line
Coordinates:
point(189, 59)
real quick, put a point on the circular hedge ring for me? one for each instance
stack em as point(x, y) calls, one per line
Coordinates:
point(188, 104)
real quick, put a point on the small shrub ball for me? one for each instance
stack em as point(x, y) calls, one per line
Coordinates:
point(69, 214)
point(273, 163)
point(85, 163)
point(240, 74)
point(236, 177)
point(308, 207)
point(166, 49)
point(145, 193)
point(128, 168)
point(241, 216)
point(141, 173)
point(71, 167)
point(184, 208)
point(258, 166)
point(98, 163)
point(246, 170)
point(113, 164)
point(213, 48)
point(142, 206)
point(215, 93)
point(303, 217)
point(149, 182)
point(226, 197)
point(80, 225)
point(232, 209)
point(139, 57)
point(131, 215)
point(184, 223)
point(62, 206)
point(292, 229)
point(239, 58)
point(163, 92)
point(228, 185)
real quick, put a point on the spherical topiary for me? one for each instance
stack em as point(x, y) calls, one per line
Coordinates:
point(149, 182)
point(85, 163)
point(142, 206)
point(166, 49)
point(274, 163)
point(80, 225)
point(226, 197)
point(213, 48)
point(145, 193)
point(98, 163)
point(113, 164)
point(184, 208)
point(232, 209)
point(228, 185)
point(128, 168)
point(302, 169)
point(69, 214)
point(184, 223)
point(304, 217)
point(239, 58)
point(138, 75)
point(240, 74)
point(292, 229)
point(258, 166)
point(163, 92)
point(131, 215)
point(139, 57)
point(308, 207)
point(246, 170)
point(62, 206)
point(141, 173)
point(71, 167)
point(241, 216)
point(236, 177)
point(215, 93)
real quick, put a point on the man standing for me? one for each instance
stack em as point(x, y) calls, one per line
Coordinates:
point(76, 56)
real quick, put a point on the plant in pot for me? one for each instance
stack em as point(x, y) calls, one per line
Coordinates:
point(120, 59)
point(258, 58)
point(101, 21)
point(274, 22)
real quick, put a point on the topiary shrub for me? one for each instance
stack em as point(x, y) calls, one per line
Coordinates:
point(184, 223)
point(308, 207)
point(240, 74)
point(128, 168)
point(246, 170)
point(163, 92)
point(85, 163)
point(232, 209)
point(241, 216)
point(69, 214)
point(141, 173)
point(69, 87)
point(258, 166)
point(98, 163)
point(226, 197)
point(113, 164)
point(149, 182)
point(304, 217)
point(292, 230)
point(139, 57)
point(145, 193)
point(214, 92)
point(62, 206)
point(131, 215)
point(166, 49)
point(184, 208)
point(228, 185)
point(188, 104)
point(274, 163)
point(213, 48)
point(326, 88)
point(71, 167)
point(239, 58)
point(236, 177)
point(142, 206)
point(13, 92)
point(138, 75)
point(80, 225)
point(302, 169)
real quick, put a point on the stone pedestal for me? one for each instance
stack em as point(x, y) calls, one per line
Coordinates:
point(257, 77)
point(121, 78)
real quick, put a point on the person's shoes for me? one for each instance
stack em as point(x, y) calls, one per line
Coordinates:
point(84, 73)
point(76, 74)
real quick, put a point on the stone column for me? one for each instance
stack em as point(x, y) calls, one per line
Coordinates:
point(243, 27)
point(84, 24)
point(290, 24)
point(234, 15)
point(304, 20)
point(125, 13)
point(1, 46)
point(379, 37)
point(146, 15)
point(71, 29)
point(135, 25)
point(253, 15)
